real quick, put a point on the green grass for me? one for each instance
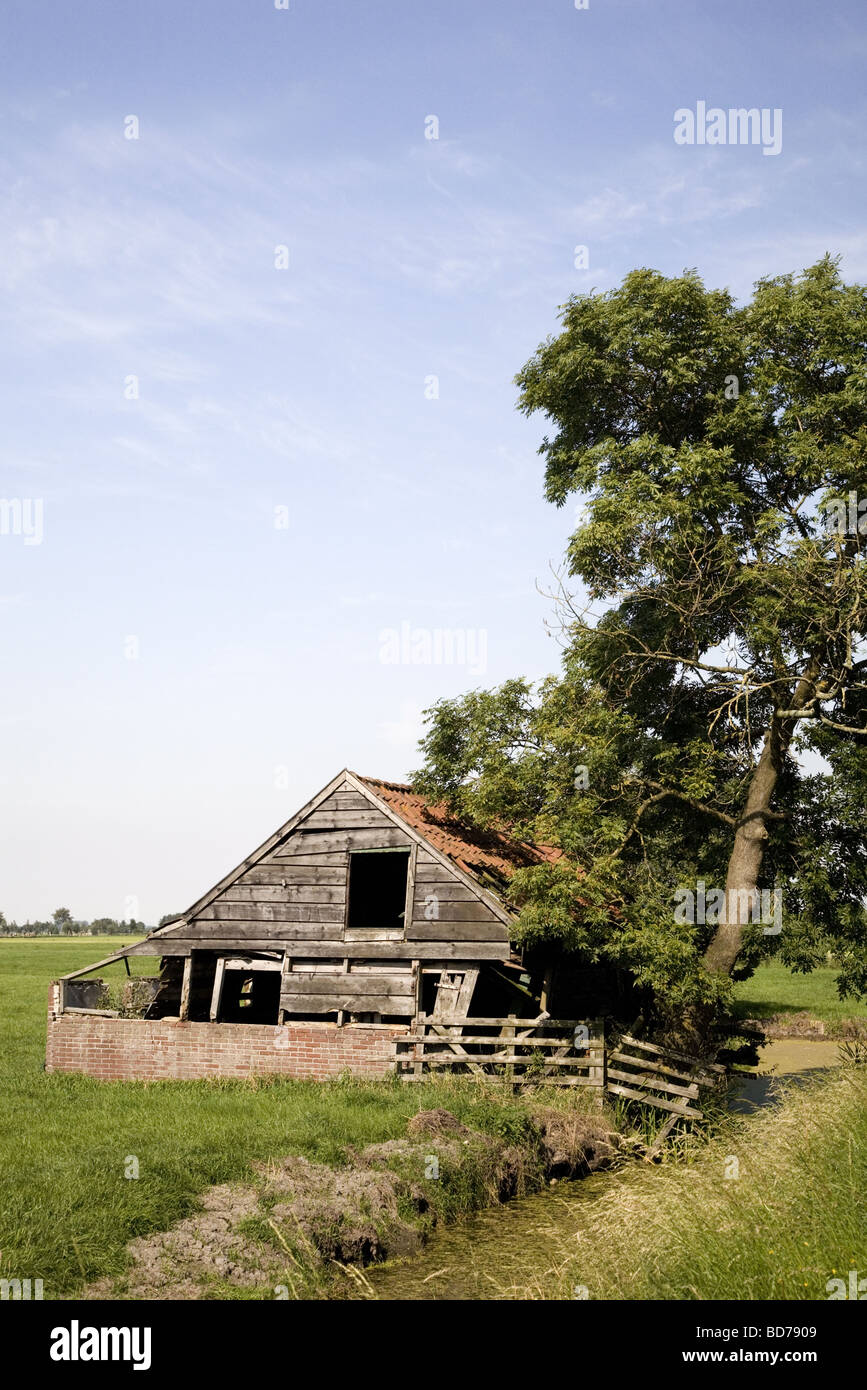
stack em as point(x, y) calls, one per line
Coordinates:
point(774, 989)
point(66, 1209)
point(792, 1219)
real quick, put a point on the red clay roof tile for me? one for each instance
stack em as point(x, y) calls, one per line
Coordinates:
point(480, 853)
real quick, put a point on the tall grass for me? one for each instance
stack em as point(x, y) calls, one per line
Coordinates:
point(772, 1208)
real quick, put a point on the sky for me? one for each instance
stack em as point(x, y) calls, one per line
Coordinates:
point(266, 276)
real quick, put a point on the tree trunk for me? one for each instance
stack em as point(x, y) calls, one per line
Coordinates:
point(747, 854)
point(751, 835)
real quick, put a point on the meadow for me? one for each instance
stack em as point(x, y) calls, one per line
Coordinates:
point(774, 989)
point(68, 1208)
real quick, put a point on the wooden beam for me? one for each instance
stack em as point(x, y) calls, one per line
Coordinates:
point(547, 985)
point(326, 944)
point(677, 1107)
point(249, 963)
point(400, 1005)
point(217, 995)
point(97, 965)
point(653, 1084)
point(440, 929)
point(661, 1138)
point(286, 972)
point(185, 988)
point(529, 1023)
point(648, 1066)
point(465, 993)
point(675, 1056)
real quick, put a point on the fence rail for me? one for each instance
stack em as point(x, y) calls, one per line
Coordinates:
point(556, 1052)
point(653, 1076)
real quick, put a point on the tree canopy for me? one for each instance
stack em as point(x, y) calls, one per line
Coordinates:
point(706, 731)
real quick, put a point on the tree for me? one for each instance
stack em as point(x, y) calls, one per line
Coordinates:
point(104, 926)
point(714, 687)
point(62, 921)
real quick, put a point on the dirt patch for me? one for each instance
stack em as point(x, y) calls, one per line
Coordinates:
point(436, 1122)
point(297, 1222)
point(574, 1143)
point(175, 1264)
point(346, 1214)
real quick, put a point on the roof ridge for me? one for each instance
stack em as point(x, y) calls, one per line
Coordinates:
point(381, 782)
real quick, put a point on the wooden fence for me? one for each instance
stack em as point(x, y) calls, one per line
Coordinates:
point(656, 1076)
point(558, 1052)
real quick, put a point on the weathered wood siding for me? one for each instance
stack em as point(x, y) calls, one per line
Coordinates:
point(445, 909)
point(294, 900)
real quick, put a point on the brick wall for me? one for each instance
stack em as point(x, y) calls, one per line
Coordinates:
point(129, 1049)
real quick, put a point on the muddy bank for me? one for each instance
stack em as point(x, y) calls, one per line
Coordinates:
point(803, 1025)
point(297, 1226)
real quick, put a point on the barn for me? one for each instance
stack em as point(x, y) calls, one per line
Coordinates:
point(368, 908)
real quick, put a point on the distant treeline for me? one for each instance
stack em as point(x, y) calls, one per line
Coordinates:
point(64, 924)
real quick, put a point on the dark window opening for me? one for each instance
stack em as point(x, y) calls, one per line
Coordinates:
point(201, 987)
point(167, 1000)
point(86, 994)
point(377, 891)
point(250, 998)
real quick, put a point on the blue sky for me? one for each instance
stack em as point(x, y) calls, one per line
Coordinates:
point(245, 473)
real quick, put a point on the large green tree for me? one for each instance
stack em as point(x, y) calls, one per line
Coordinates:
point(708, 725)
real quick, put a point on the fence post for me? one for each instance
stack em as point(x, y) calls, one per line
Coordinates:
point(598, 1059)
point(418, 1049)
point(509, 1032)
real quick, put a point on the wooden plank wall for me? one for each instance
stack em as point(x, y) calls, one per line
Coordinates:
point(295, 900)
point(445, 909)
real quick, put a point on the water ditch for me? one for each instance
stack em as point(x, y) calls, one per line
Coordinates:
point(496, 1254)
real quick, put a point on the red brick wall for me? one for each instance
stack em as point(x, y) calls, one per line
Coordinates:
point(129, 1049)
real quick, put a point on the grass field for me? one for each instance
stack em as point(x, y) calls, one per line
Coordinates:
point(67, 1211)
point(774, 989)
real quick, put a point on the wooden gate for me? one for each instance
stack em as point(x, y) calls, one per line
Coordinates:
point(658, 1077)
point(556, 1052)
point(560, 1052)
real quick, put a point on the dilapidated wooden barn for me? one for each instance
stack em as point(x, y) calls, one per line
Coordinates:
point(368, 908)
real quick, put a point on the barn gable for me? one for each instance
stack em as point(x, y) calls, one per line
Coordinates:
point(368, 905)
point(295, 886)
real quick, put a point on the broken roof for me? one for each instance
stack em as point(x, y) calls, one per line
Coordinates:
point(480, 853)
point(487, 858)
